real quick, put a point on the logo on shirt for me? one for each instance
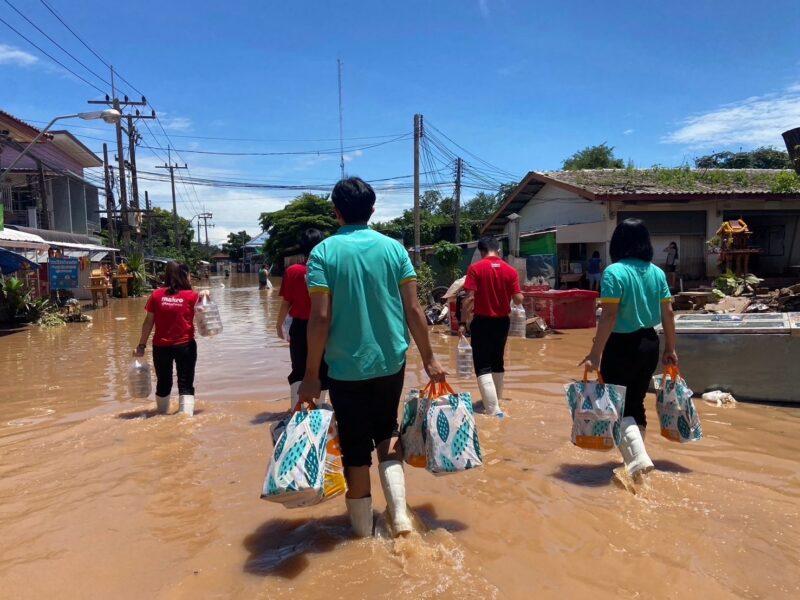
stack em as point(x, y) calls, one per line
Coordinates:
point(172, 301)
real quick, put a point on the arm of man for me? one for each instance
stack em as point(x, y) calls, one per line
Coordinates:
point(147, 328)
point(319, 324)
point(418, 327)
point(467, 308)
point(283, 311)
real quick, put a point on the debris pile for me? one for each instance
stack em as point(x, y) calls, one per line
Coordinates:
point(535, 327)
point(781, 300)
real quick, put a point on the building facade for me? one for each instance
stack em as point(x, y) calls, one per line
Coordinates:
point(580, 210)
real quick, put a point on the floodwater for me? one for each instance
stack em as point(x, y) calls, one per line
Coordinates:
point(101, 499)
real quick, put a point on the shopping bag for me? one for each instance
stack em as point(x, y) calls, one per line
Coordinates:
point(596, 409)
point(306, 465)
point(413, 432)
point(676, 411)
point(452, 443)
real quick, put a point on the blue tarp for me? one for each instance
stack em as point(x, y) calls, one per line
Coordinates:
point(10, 262)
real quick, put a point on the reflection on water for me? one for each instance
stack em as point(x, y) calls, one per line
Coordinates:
point(99, 497)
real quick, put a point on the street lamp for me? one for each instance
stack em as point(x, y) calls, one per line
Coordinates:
point(110, 115)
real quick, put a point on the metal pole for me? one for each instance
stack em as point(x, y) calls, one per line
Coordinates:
point(457, 201)
point(123, 194)
point(417, 135)
point(341, 119)
point(205, 221)
point(134, 181)
point(149, 222)
point(174, 206)
point(198, 230)
point(110, 212)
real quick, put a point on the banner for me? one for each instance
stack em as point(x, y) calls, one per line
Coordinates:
point(62, 273)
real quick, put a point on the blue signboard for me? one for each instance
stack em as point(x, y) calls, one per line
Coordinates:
point(62, 273)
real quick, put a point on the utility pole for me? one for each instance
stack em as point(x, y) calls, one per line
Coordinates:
point(116, 103)
point(111, 212)
point(149, 222)
point(205, 217)
point(172, 168)
point(133, 139)
point(341, 119)
point(417, 136)
point(457, 199)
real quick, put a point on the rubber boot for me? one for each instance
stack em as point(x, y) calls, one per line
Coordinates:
point(186, 404)
point(491, 405)
point(294, 388)
point(162, 404)
point(632, 449)
point(498, 384)
point(360, 511)
point(393, 482)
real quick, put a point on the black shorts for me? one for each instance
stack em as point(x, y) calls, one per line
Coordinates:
point(489, 335)
point(630, 359)
point(298, 351)
point(366, 414)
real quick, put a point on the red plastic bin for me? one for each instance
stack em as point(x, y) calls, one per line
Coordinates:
point(563, 309)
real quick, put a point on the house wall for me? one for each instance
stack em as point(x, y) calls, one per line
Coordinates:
point(62, 214)
point(554, 206)
point(77, 202)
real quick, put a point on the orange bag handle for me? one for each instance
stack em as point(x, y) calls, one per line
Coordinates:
point(586, 376)
point(434, 390)
point(671, 371)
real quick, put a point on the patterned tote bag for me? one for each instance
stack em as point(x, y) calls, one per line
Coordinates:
point(451, 436)
point(677, 414)
point(596, 409)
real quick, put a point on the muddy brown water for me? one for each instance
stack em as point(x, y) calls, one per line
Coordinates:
point(101, 499)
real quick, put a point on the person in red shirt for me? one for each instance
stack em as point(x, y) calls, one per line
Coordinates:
point(170, 310)
point(491, 285)
point(297, 305)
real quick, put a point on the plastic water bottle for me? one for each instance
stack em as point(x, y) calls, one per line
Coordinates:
point(206, 317)
point(464, 358)
point(287, 325)
point(518, 321)
point(139, 381)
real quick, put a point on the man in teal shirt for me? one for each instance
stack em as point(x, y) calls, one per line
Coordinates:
point(363, 303)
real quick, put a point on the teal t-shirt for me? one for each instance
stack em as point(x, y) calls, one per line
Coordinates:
point(363, 271)
point(639, 287)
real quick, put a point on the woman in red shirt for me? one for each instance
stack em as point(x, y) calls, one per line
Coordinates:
point(171, 310)
point(297, 304)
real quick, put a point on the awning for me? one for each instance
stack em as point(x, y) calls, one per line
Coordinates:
point(82, 247)
point(11, 238)
point(94, 256)
point(11, 262)
point(583, 233)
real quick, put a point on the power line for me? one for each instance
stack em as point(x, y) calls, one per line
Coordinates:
point(67, 52)
point(48, 55)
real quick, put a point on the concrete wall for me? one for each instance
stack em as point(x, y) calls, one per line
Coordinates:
point(77, 202)
point(62, 214)
point(554, 206)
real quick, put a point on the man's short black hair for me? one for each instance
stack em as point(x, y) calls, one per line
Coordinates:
point(631, 239)
point(308, 239)
point(354, 198)
point(488, 243)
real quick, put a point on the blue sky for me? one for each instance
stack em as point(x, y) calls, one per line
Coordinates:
point(520, 84)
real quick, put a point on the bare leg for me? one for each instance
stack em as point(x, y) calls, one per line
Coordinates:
point(390, 450)
point(358, 485)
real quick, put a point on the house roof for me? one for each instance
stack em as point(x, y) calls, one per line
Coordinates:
point(649, 185)
point(20, 130)
point(69, 144)
point(258, 241)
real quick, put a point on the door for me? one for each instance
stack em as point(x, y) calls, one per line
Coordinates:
point(692, 257)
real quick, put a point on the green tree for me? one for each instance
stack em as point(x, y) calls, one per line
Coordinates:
point(162, 225)
point(449, 257)
point(760, 158)
point(286, 225)
point(235, 244)
point(594, 157)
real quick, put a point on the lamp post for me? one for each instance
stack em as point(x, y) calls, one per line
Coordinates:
point(110, 115)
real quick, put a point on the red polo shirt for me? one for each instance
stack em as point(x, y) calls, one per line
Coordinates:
point(295, 291)
point(494, 282)
point(174, 316)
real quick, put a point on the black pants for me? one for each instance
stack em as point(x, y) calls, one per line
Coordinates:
point(185, 357)
point(366, 414)
point(298, 351)
point(489, 335)
point(630, 359)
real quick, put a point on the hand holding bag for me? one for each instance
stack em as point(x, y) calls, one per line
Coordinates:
point(596, 409)
point(677, 414)
point(452, 443)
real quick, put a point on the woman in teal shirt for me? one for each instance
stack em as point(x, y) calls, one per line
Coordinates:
point(635, 298)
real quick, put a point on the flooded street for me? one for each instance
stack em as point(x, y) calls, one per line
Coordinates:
point(101, 499)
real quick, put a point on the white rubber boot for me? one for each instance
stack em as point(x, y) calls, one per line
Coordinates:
point(393, 482)
point(360, 511)
point(186, 405)
point(498, 384)
point(632, 449)
point(491, 405)
point(162, 404)
point(294, 388)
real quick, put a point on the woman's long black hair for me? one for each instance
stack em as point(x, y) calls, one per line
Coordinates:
point(631, 239)
point(308, 239)
point(176, 277)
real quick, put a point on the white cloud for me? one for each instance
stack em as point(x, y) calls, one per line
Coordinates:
point(754, 121)
point(179, 124)
point(628, 131)
point(9, 55)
